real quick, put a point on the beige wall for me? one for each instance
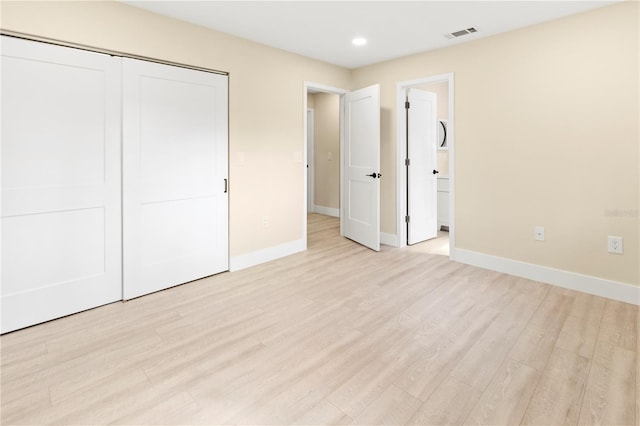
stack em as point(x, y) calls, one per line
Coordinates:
point(327, 140)
point(547, 133)
point(266, 89)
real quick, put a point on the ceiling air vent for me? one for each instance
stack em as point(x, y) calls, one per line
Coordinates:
point(461, 33)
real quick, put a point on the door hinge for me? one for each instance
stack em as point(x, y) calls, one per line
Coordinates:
point(407, 162)
point(407, 219)
point(407, 105)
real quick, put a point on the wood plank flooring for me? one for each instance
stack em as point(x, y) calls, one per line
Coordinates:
point(335, 335)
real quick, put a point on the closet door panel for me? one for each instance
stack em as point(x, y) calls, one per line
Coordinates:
point(60, 156)
point(175, 167)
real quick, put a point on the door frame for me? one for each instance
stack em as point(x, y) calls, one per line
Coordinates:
point(401, 154)
point(318, 88)
point(310, 140)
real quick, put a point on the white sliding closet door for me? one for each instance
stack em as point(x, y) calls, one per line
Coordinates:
point(60, 155)
point(175, 203)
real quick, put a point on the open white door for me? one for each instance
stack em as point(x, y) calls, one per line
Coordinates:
point(60, 145)
point(361, 172)
point(175, 201)
point(422, 168)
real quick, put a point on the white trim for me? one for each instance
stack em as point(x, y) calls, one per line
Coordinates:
point(328, 211)
point(584, 283)
point(310, 160)
point(268, 254)
point(305, 184)
point(342, 139)
point(401, 149)
point(317, 87)
point(389, 239)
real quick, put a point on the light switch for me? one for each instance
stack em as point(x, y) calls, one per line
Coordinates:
point(329, 156)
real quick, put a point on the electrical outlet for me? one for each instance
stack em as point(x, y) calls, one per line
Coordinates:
point(329, 156)
point(265, 221)
point(538, 233)
point(615, 245)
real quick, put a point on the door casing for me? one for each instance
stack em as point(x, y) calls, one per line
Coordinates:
point(310, 126)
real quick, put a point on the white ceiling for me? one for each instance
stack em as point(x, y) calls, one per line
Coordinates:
point(324, 29)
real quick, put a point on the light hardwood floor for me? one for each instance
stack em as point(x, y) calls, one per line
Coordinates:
point(335, 335)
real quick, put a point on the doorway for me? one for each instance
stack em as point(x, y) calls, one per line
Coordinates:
point(443, 85)
point(323, 108)
point(359, 163)
point(323, 153)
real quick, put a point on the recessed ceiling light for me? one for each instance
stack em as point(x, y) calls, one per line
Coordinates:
point(359, 41)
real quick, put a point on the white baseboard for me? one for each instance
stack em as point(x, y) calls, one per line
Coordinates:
point(327, 211)
point(248, 260)
point(587, 284)
point(389, 239)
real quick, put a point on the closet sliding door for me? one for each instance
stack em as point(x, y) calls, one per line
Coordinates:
point(60, 220)
point(175, 203)
point(113, 179)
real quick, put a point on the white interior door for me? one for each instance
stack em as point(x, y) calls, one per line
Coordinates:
point(60, 154)
point(422, 169)
point(361, 170)
point(175, 212)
